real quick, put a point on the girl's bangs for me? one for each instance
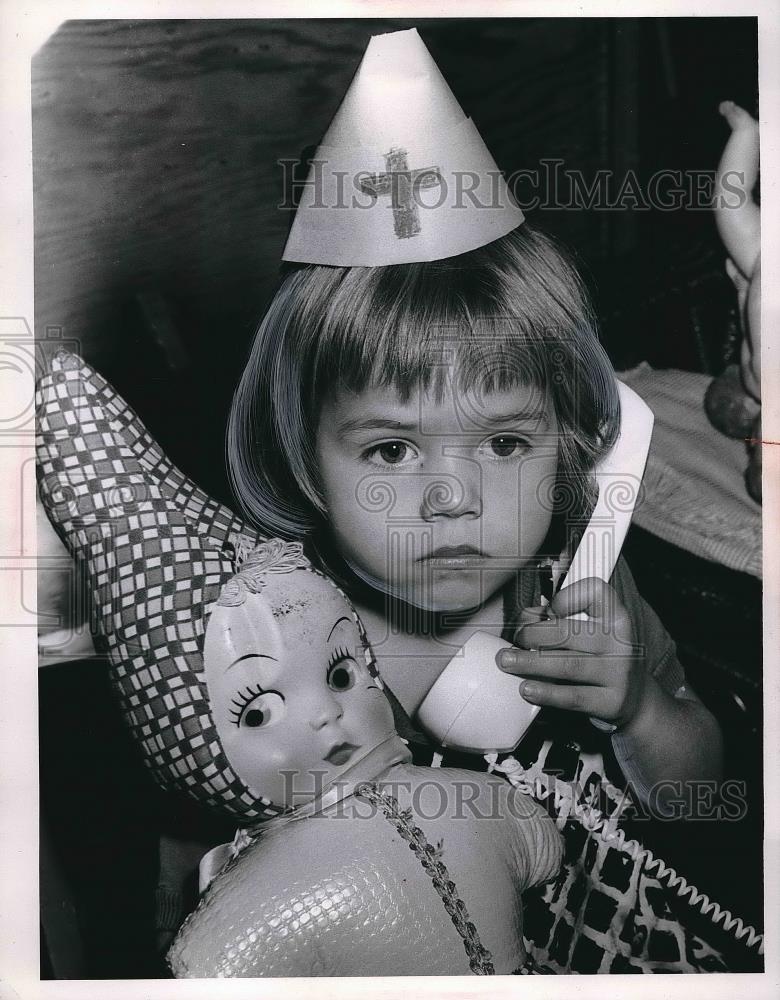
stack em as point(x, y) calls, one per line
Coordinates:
point(425, 345)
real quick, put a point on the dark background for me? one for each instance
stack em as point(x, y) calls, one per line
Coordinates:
point(157, 244)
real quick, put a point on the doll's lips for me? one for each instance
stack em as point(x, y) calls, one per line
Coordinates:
point(341, 753)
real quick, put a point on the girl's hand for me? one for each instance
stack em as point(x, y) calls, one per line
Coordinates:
point(590, 666)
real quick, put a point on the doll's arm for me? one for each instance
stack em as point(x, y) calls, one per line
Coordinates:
point(539, 845)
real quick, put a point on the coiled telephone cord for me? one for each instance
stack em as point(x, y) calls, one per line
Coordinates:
point(540, 786)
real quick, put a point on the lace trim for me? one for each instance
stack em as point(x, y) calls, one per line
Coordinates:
point(480, 959)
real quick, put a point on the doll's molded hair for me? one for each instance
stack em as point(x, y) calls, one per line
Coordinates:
point(273, 557)
point(512, 312)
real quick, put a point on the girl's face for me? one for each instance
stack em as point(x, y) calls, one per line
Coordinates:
point(438, 501)
point(292, 699)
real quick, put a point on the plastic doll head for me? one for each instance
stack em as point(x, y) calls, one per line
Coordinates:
point(294, 696)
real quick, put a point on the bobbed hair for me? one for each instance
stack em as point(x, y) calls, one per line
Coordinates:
point(514, 312)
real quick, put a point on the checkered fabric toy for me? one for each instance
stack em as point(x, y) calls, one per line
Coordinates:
point(158, 552)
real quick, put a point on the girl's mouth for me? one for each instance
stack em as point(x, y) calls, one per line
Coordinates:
point(340, 754)
point(452, 556)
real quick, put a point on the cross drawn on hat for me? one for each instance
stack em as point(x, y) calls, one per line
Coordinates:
point(401, 184)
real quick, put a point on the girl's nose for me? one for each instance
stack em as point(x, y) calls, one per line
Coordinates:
point(452, 495)
point(325, 710)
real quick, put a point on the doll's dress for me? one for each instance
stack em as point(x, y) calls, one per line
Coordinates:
point(407, 877)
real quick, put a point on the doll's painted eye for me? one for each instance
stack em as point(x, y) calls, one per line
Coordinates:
point(342, 671)
point(257, 709)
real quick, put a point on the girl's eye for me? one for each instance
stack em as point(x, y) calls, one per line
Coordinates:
point(390, 453)
point(257, 709)
point(505, 446)
point(342, 671)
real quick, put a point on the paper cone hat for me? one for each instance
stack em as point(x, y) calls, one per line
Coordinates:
point(402, 175)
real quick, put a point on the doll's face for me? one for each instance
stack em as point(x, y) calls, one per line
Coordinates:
point(291, 696)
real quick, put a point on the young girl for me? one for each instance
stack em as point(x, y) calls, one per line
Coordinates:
point(429, 427)
point(423, 474)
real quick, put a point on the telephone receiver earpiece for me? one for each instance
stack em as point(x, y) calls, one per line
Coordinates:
point(473, 705)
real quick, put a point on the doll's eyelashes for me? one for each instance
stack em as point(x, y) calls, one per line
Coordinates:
point(256, 708)
point(342, 670)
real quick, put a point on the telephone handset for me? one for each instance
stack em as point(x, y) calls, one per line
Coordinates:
point(475, 706)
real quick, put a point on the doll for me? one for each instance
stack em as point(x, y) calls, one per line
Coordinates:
point(162, 558)
point(733, 400)
point(379, 868)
